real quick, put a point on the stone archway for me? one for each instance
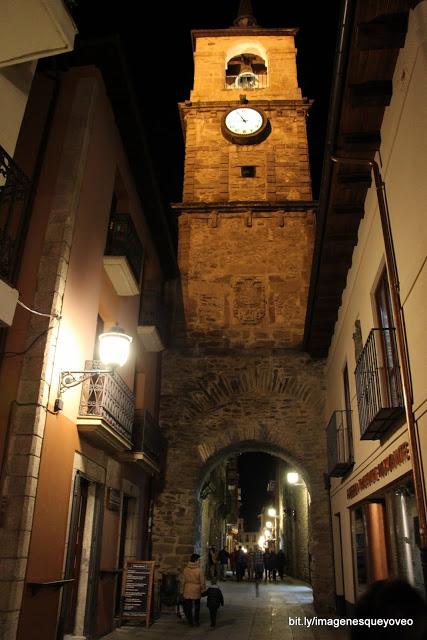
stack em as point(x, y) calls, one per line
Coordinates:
point(212, 405)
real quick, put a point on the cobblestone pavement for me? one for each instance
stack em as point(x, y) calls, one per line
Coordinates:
point(244, 617)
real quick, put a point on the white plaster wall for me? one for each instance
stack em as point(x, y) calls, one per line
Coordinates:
point(403, 167)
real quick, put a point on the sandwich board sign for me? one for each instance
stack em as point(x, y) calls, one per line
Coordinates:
point(137, 590)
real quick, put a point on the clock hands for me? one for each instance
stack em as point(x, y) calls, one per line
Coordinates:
point(242, 117)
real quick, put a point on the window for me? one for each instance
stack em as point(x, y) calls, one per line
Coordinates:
point(390, 371)
point(248, 172)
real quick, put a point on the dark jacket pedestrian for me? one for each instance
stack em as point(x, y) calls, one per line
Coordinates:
point(240, 564)
point(223, 557)
point(258, 563)
point(281, 562)
point(212, 559)
point(266, 563)
point(214, 601)
point(272, 565)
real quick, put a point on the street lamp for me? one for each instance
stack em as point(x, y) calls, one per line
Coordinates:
point(271, 512)
point(114, 346)
point(292, 477)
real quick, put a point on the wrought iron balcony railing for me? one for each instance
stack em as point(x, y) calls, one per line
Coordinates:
point(123, 240)
point(147, 437)
point(378, 384)
point(14, 186)
point(339, 440)
point(106, 397)
point(257, 81)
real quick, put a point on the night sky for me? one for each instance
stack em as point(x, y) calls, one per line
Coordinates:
point(158, 47)
point(255, 470)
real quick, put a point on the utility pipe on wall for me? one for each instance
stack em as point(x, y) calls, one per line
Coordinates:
point(402, 347)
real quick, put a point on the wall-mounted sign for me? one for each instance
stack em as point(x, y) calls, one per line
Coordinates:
point(114, 499)
point(386, 466)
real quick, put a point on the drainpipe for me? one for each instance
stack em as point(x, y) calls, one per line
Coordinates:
point(341, 62)
point(402, 348)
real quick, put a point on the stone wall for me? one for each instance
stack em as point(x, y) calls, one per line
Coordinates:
point(245, 278)
point(215, 405)
point(212, 170)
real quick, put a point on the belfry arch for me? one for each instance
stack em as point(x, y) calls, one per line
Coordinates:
point(230, 405)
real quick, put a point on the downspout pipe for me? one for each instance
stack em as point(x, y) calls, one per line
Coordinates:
point(341, 62)
point(402, 347)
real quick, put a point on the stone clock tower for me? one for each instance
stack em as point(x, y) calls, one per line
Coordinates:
point(246, 220)
point(234, 378)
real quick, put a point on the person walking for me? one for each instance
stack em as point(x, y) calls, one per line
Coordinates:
point(192, 584)
point(266, 558)
point(223, 557)
point(258, 565)
point(281, 561)
point(250, 563)
point(240, 564)
point(272, 565)
point(215, 600)
point(212, 562)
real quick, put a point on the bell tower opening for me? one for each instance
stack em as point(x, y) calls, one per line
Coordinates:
point(246, 71)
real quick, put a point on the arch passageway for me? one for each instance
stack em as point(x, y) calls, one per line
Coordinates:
point(216, 407)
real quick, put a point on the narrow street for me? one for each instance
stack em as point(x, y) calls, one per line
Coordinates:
point(244, 617)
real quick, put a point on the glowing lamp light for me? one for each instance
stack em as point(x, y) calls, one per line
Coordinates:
point(114, 347)
point(271, 512)
point(269, 525)
point(292, 477)
point(261, 541)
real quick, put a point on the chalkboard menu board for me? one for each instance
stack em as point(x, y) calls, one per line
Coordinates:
point(137, 589)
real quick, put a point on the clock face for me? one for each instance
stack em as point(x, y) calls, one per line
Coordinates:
point(244, 121)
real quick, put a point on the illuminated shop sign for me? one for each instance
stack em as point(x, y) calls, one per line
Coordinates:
point(386, 466)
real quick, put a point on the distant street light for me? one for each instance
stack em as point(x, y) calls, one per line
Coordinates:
point(292, 477)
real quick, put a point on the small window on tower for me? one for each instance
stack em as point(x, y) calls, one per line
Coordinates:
point(248, 172)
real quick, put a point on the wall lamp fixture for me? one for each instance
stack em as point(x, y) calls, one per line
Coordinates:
point(114, 346)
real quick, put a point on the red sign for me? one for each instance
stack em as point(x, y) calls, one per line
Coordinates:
point(398, 457)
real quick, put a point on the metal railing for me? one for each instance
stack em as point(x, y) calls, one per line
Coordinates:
point(378, 384)
point(260, 81)
point(14, 186)
point(123, 240)
point(147, 436)
point(107, 396)
point(339, 439)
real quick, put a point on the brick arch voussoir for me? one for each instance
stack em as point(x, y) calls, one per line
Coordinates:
point(215, 391)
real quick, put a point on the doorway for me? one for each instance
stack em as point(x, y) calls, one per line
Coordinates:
point(78, 606)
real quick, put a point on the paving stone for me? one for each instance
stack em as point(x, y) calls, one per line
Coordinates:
point(244, 617)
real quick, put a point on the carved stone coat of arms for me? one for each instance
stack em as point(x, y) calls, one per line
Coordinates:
point(249, 300)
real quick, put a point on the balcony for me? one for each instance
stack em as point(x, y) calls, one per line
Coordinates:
point(106, 409)
point(378, 385)
point(14, 186)
point(339, 441)
point(123, 255)
point(152, 319)
point(149, 444)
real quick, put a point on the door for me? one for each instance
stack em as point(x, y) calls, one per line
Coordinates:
point(74, 555)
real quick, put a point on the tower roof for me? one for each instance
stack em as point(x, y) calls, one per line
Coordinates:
point(245, 17)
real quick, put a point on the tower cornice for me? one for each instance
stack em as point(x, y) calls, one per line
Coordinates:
point(239, 31)
point(279, 206)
